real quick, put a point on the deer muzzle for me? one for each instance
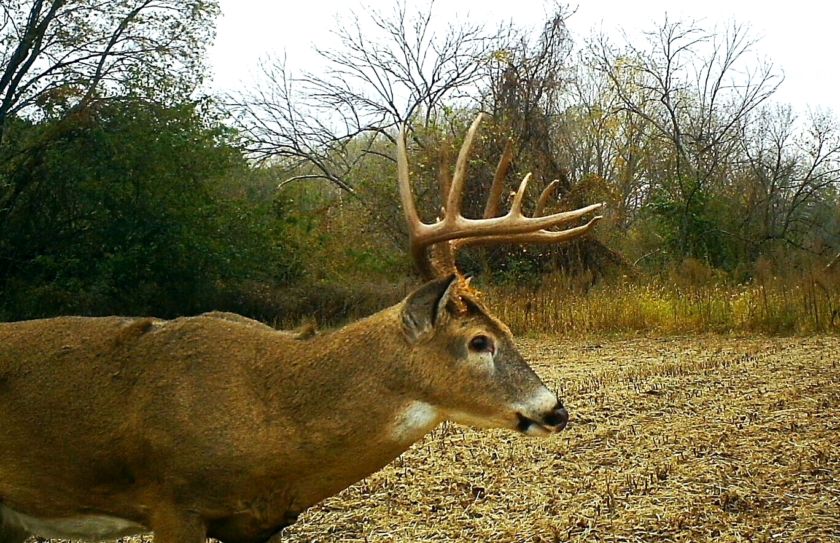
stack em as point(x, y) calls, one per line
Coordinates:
point(546, 415)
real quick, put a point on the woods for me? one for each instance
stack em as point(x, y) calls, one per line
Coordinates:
point(126, 188)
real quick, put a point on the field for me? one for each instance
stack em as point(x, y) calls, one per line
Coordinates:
point(699, 439)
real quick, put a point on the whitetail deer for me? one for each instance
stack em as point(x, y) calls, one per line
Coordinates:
point(219, 426)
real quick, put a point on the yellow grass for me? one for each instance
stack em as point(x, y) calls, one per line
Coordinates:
point(810, 304)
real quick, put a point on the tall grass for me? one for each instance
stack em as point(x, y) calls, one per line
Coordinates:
point(689, 298)
point(679, 303)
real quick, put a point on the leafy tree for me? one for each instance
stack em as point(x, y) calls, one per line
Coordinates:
point(129, 209)
point(58, 54)
point(58, 58)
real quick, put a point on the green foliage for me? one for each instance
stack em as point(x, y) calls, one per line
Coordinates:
point(691, 228)
point(127, 208)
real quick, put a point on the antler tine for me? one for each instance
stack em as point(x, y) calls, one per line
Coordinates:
point(458, 230)
point(516, 205)
point(412, 218)
point(494, 198)
point(456, 190)
point(406, 196)
point(548, 193)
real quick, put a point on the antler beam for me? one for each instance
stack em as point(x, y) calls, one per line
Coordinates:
point(512, 227)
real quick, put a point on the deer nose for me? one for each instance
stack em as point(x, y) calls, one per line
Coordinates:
point(557, 418)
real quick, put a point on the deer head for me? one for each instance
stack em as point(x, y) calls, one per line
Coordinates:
point(468, 368)
point(484, 380)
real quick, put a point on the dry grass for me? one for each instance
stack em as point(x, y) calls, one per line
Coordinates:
point(671, 440)
point(558, 304)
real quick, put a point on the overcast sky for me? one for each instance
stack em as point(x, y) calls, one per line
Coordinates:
point(801, 38)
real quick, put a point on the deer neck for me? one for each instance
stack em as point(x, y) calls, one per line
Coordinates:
point(344, 402)
point(365, 367)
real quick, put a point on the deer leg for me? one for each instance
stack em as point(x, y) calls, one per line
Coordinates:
point(178, 527)
point(9, 531)
point(9, 534)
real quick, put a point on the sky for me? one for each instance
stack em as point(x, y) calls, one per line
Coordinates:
point(801, 38)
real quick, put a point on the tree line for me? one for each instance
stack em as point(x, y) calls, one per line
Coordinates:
point(126, 189)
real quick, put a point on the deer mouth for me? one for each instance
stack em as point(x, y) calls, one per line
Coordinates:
point(550, 424)
point(529, 427)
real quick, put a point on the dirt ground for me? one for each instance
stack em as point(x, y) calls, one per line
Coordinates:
point(691, 439)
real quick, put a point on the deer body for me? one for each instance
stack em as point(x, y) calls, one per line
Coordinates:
point(226, 424)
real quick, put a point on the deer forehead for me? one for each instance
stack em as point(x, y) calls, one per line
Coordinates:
point(479, 323)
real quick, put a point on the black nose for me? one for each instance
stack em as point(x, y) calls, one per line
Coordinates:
point(558, 418)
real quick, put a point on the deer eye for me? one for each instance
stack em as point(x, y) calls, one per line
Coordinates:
point(482, 344)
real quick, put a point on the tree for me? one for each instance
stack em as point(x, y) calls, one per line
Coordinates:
point(607, 145)
point(61, 54)
point(690, 86)
point(529, 91)
point(400, 68)
point(132, 212)
point(387, 70)
point(792, 178)
point(113, 192)
point(528, 83)
point(338, 124)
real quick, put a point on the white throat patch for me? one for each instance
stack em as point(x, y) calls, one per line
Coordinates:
point(414, 421)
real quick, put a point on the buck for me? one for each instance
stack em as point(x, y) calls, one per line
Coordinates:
point(220, 426)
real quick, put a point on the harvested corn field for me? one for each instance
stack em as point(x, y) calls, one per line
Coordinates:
point(694, 439)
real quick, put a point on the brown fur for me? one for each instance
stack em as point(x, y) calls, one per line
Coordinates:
point(218, 425)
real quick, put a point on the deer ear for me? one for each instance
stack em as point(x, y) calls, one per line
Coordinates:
point(426, 306)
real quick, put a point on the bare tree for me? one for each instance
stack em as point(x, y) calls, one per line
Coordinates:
point(791, 178)
point(388, 69)
point(695, 88)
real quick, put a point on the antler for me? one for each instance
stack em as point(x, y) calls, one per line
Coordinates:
point(512, 227)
